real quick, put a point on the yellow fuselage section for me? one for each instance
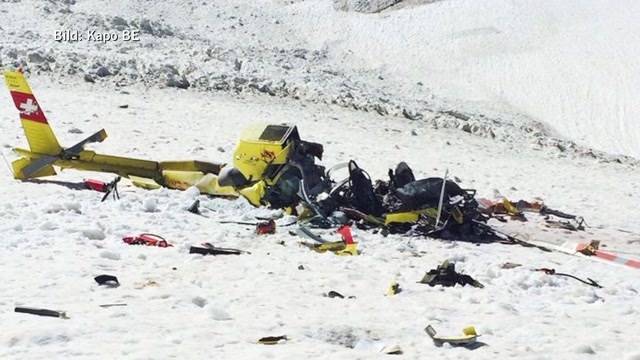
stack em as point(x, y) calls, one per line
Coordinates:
point(144, 173)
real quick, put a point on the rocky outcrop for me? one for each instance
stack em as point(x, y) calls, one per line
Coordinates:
point(364, 6)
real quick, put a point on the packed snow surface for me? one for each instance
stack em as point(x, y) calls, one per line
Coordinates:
point(517, 73)
point(57, 238)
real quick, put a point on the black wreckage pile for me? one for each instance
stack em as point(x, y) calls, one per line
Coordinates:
point(434, 207)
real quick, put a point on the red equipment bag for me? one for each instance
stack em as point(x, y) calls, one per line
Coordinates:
point(96, 185)
point(146, 239)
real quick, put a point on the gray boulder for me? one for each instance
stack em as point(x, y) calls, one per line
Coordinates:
point(179, 82)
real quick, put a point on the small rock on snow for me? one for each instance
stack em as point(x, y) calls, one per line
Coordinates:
point(102, 72)
point(585, 349)
point(36, 58)
point(180, 83)
point(199, 301)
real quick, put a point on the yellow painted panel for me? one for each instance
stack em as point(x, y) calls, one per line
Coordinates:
point(118, 161)
point(16, 82)
point(144, 183)
point(21, 163)
point(181, 180)
point(209, 185)
point(403, 217)
point(40, 137)
point(254, 193)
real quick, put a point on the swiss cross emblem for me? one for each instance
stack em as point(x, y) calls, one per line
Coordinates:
point(29, 107)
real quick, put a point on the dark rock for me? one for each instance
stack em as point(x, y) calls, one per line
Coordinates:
point(124, 106)
point(156, 29)
point(119, 23)
point(103, 72)
point(457, 115)
point(146, 27)
point(380, 109)
point(239, 81)
point(300, 53)
point(221, 86)
point(88, 78)
point(267, 89)
point(170, 69)
point(411, 115)
point(178, 82)
point(36, 58)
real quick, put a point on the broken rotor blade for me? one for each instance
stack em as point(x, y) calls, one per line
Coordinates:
point(38, 164)
point(75, 150)
point(98, 136)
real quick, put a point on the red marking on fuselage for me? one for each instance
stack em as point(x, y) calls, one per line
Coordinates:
point(268, 155)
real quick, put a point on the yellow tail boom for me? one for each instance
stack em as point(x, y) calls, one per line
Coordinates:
point(45, 152)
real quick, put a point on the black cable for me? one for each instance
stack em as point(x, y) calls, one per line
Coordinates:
point(590, 281)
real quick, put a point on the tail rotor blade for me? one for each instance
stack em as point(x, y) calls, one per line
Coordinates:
point(99, 136)
point(37, 165)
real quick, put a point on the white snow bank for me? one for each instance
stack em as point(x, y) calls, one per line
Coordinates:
point(566, 63)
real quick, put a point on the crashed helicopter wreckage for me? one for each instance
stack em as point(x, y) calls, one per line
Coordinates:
point(272, 166)
point(269, 162)
point(45, 152)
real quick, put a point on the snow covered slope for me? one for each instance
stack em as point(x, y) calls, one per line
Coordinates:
point(467, 86)
point(542, 74)
point(56, 238)
point(570, 64)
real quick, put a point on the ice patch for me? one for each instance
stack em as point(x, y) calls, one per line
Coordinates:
point(93, 234)
point(150, 204)
point(191, 193)
point(73, 206)
point(53, 207)
point(48, 225)
point(49, 339)
point(633, 357)
point(219, 314)
point(110, 255)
